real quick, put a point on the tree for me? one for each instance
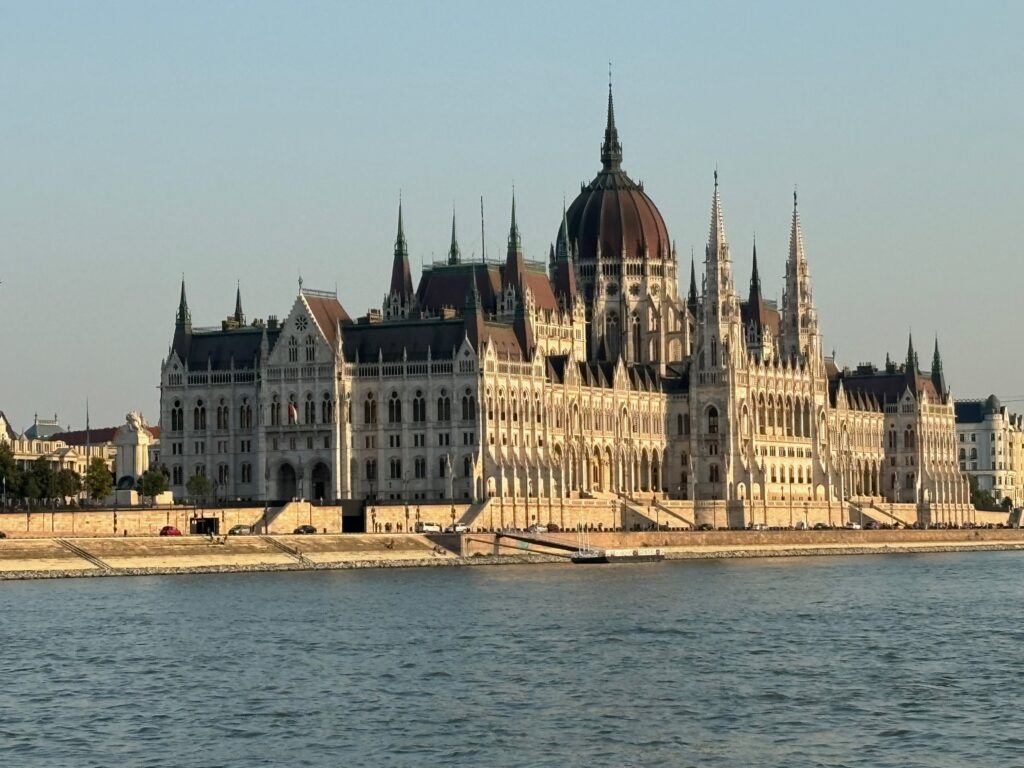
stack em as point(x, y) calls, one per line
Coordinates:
point(198, 486)
point(98, 480)
point(980, 498)
point(67, 483)
point(44, 479)
point(10, 475)
point(152, 483)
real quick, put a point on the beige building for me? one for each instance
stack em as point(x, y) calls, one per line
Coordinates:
point(588, 377)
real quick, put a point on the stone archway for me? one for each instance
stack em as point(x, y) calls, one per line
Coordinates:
point(287, 482)
point(321, 479)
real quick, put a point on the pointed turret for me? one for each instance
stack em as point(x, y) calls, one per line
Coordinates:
point(799, 317)
point(238, 316)
point(515, 269)
point(400, 298)
point(911, 362)
point(938, 378)
point(563, 250)
point(691, 300)
point(611, 149)
point(184, 317)
point(755, 278)
point(454, 255)
point(716, 235)
point(401, 275)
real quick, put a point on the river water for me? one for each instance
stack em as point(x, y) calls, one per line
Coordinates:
point(846, 661)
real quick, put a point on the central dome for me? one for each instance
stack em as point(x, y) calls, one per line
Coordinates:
point(613, 213)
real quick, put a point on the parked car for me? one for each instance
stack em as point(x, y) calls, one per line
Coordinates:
point(705, 527)
point(305, 530)
point(871, 525)
point(456, 528)
point(169, 530)
point(822, 527)
point(553, 528)
point(852, 526)
point(422, 527)
point(537, 529)
point(240, 530)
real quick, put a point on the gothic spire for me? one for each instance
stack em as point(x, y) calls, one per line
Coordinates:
point(755, 278)
point(239, 316)
point(796, 236)
point(401, 275)
point(184, 317)
point(911, 354)
point(716, 235)
point(514, 266)
point(563, 249)
point(454, 255)
point(692, 299)
point(611, 149)
point(938, 379)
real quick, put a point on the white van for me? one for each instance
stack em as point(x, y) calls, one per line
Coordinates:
point(422, 527)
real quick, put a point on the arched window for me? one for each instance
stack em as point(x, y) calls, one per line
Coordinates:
point(679, 424)
point(371, 469)
point(634, 332)
point(908, 438)
point(394, 409)
point(310, 410)
point(293, 350)
point(419, 407)
point(177, 417)
point(712, 420)
point(199, 416)
point(275, 412)
point(327, 409)
point(444, 407)
point(310, 349)
point(396, 468)
point(713, 473)
point(611, 334)
point(370, 410)
point(467, 466)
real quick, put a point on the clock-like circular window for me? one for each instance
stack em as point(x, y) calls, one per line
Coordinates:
point(301, 323)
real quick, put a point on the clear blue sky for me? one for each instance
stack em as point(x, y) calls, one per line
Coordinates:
point(253, 141)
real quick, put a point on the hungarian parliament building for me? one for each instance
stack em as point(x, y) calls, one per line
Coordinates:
point(591, 376)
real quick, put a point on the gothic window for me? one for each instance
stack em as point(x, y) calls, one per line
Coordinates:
point(247, 472)
point(634, 330)
point(177, 417)
point(310, 349)
point(396, 468)
point(419, 407)
point(714, 352)
point(789, 417)
point(370, 410)
point(293, 350)
point(199, 416)
point(441, 465)
point(713, 473)
point(537, 409)
point(908, 438)
point(468, 407)
point(807, 418)
point(679, 424)
point(327, 409)
point(275, 412)
point(371, 469)
point(712, 420)
point(419, 467)
point(177, 475)
point(222, 474)
point(467, 466)
point(394, 409)
point(444, 407)
point(310, 410)
point(293, 410)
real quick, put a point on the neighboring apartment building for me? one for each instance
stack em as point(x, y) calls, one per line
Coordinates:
point(991, 447)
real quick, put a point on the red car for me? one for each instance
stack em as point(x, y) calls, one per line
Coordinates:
point(169, 530)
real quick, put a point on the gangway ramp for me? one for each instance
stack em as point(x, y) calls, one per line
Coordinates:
point(561, 548)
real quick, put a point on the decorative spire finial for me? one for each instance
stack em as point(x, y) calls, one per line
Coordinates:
point(184, 317)
point(239, 316)
point(611, 149)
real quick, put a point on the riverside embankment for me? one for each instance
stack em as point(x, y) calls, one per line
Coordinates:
point(23, 558)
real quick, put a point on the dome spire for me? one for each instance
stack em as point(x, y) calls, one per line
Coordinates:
point(401, 275)
point(611, 150)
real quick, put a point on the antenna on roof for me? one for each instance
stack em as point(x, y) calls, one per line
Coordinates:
point(483, 241)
